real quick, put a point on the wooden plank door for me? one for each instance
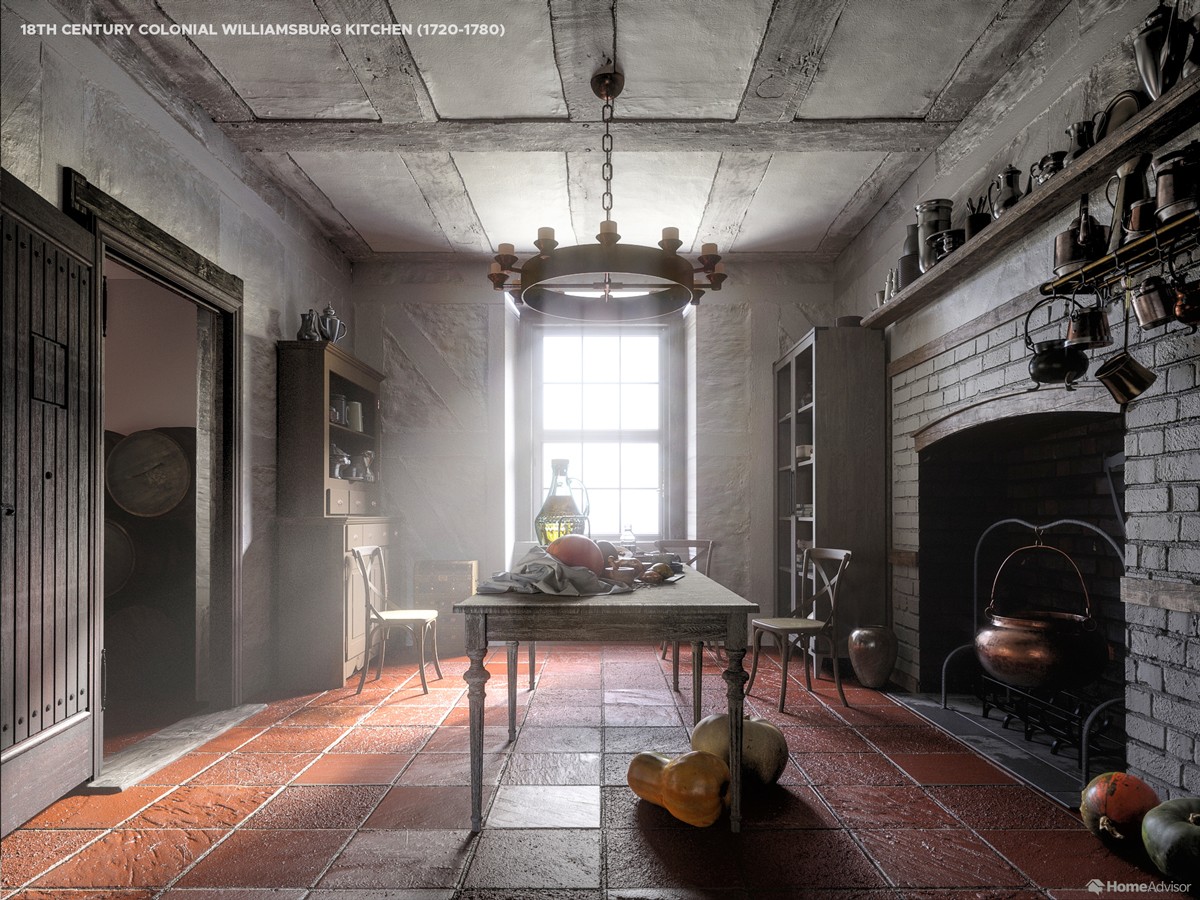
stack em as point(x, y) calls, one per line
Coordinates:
point(49, 708)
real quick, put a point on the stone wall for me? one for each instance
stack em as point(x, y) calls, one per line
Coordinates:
point(949, 356)
point(66, 103)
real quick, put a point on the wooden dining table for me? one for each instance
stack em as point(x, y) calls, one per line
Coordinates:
point(695, 608)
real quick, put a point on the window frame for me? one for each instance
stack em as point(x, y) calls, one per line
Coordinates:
point(670, 407)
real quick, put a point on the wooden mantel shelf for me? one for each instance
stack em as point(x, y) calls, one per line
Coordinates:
point(1166, 118)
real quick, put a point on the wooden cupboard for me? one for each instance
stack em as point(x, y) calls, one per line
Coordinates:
point(323, 512)
point(830, 466)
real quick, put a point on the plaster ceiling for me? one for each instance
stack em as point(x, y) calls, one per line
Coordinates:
point(768, 126)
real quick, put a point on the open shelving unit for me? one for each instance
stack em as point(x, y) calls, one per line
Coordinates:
point(1166, 118)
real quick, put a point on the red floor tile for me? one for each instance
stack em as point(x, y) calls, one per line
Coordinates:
point(230, 739)
point(1065, 859)
point(841, 739)
point(457, 739)
point(95, 810)
point(101, 894)
point(26, 853)
point(451, 768)
point(946, 857)
point(391, 739)
point(950, 768)
point(910, 739)
point(446, 807)
point(677, 858)
point(355, 768)
point(319, 806)
point(199, 806)
point(266, 859)
point(281, 740)
point(849, 768)
point(327, 715)
point(182, 769)
point(809, 860)
point(255, 768)
point(407, 715)
point(1002, 806)
point(132, 858)
point(785, 806)
point(873, 806)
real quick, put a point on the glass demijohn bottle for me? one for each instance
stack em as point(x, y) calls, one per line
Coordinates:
point(560, 514)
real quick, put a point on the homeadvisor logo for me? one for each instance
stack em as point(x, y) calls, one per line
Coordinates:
point(1096, 886)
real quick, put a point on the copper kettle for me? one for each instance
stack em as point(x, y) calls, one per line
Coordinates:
point(1083, 241)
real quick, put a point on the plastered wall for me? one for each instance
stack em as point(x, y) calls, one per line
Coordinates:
point(66, 104)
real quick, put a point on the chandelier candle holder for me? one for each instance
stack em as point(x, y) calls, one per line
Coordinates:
point(607, 281)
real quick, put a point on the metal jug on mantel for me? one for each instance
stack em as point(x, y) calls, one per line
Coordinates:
point(1008, 190)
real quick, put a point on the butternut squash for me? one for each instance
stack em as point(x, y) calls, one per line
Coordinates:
point(694, 787)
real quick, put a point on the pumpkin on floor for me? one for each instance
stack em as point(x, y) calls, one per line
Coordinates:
point(1114, 803)
point(694, 787)
point(764, 748)
point(1171, 833)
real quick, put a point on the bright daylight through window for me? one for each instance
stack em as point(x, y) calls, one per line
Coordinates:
point(600, 406)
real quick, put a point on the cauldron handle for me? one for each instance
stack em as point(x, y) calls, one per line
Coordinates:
point(1087, 600)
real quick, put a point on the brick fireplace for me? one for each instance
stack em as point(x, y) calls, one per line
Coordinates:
point(972, 445)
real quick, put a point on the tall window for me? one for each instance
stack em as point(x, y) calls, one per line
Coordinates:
point(599, 403)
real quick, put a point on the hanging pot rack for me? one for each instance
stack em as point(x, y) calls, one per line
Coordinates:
point(1181, 235)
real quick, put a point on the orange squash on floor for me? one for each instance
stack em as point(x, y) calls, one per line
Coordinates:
point(1114, 804)
point(694, 787)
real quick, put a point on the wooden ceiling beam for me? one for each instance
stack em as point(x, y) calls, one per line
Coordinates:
point(583, 38)
point(192, 74)
point(295, 181)
point(1010, 33)
point(385, 68)
point(733, 189)
point(647, 135)
point(788, 58)
point(893, 170)
point(442, 186)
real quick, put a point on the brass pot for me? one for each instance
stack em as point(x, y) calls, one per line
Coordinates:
point(1041, 648)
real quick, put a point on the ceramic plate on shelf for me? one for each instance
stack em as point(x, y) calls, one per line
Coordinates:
point(1120, 110)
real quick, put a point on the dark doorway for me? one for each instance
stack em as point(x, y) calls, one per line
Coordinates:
point(152, 382)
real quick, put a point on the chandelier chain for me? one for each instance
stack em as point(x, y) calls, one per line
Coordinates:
point(606, 144)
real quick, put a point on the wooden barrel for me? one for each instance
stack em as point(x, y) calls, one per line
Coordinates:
point(119, 558)
point(149, 473)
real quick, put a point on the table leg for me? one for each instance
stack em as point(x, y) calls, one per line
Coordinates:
point(475, 677)
point(675, 666)
point(697, 669)
point(512, 690)
point(735, 679)
point(532, 662)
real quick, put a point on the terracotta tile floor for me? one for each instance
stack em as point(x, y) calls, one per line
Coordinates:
point(341, 796)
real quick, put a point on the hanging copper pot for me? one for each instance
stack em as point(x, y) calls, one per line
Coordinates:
point(1041, 648)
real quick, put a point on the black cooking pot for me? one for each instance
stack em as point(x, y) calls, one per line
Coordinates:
point(1053, 362)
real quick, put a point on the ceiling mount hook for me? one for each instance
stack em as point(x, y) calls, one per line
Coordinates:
point(608, 82)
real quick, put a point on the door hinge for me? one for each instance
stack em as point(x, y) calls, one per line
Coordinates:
point(103, 678)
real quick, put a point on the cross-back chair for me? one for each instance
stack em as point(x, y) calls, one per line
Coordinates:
point(381, 617)
point(813, 619)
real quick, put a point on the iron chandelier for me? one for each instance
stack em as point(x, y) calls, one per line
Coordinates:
point(607, 281)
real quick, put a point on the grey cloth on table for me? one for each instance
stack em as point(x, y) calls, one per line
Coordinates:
point(537, 572)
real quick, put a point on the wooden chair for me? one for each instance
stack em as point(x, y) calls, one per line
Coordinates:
point(381, 618)
point(813, 619)
point(697, 554)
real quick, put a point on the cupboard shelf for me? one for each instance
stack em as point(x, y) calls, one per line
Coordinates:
point(1168, 117)
point(842, 370)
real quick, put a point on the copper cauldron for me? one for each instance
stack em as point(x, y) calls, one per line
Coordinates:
point(1041, 648)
